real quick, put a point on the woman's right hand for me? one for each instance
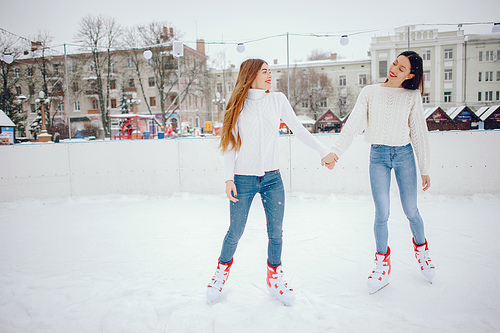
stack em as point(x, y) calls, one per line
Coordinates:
point(231, 190)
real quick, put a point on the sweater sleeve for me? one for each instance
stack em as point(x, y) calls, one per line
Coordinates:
point(419, 134)
point(290, 118)
point(356, 123)
point(230, 158)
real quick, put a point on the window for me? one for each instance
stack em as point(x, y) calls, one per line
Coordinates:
point(425, 98)
point(498, 75)
point(479, 96)
point(426, 55)
point(113, 103)
point(323, 102)
point(56, 69)
point(498, 95)
point(488, 76)
point(131, 83)
point(60, 107)
point(76, 106)
point(19, 91)
point(112, 84)
point(427, 76)
point(447, 96)
point(219, 88)
point(480, 77)
point(95, 104)
point(448, 74)
point(362, 79)
point(32, 108)
point(92, 66)
point(152, 101)
point(342, 80)
point(489, 56)
point(230, 86)
point(488, 95)
point(16, 72)
point(130, 63)
point(382, 68)
point(74, 67)
point(30, 71)
point(32, 89)
point(498, 55)
point(150, 62)
point(480, 55)
point(305, 104)
point(448, 54)
point(151, 81)
point(74, 86)
point(112, 66)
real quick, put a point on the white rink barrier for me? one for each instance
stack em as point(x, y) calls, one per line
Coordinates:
point(462, 163)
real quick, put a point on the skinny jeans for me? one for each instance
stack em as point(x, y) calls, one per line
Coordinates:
point(401, 159)
point(270, 187)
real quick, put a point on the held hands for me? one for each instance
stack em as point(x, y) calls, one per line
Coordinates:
point(329, 160)
point(231, 190)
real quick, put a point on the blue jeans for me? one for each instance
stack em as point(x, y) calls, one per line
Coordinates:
point(270, 187)
point(401, 159)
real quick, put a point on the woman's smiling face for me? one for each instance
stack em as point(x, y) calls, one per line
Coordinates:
point(263, 79)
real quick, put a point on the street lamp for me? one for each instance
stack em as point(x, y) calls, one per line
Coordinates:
point(43, 136)
point(178, 48)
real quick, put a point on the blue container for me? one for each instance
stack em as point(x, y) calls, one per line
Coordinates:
point(161, 135)
point(146, 135)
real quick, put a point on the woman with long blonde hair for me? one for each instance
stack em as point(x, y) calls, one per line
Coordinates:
point(249, 141)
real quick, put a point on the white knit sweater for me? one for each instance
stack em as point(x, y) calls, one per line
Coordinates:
point(389, 116)
point(258, 127)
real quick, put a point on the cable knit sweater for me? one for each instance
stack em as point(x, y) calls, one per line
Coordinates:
point(258, 127)
point(389, 116)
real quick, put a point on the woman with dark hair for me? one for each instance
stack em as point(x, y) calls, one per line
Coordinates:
point(249, 141)
point(392, 116)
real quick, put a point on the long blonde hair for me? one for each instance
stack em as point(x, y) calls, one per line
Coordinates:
point(247, 74)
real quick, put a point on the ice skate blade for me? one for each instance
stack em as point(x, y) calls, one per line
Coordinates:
point(373, 292)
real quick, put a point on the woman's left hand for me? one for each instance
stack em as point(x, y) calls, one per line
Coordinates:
point(426, 182)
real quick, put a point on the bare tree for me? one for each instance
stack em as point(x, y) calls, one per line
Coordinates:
point(157, 37)
point(321, 91)
point(345, 98)
point(10, 77)
point(100, 34)
point(318, 55)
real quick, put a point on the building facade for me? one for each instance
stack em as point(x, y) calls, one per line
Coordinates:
point(459, 69)
point(129, 82)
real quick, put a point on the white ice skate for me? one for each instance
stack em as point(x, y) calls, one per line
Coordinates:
point(214, 288)
point(277, 285)
point(426, 267)
point(380, 275)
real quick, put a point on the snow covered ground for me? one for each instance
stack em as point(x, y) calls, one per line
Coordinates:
point(141, 264)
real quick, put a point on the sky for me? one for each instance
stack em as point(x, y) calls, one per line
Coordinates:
point(233, 22)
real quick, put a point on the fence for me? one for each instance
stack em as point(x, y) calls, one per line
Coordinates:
point(462, 163)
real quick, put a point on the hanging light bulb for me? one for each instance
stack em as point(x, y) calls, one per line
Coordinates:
point(8, 58)
point(148, 54)
point(344, 40)
point(240, 48)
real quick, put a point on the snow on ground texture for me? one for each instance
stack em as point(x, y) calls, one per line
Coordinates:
point(141, 264)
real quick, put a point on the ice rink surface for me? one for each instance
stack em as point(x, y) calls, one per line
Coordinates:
point(141, 264)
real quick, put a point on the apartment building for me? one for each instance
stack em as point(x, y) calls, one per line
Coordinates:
point(131, 81)
point(459, 69)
